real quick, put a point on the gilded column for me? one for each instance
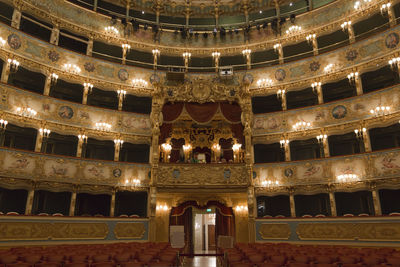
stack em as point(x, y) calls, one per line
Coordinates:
point(332, 200)
point(317, 87)
point(73, 201)
point(117, 148)
point(292, 203)
point(112, 206)
point(89, 48)
point(287, 151)
point(392, 17)
point(29, 201)
point(47, 84)
point(16, 18)
point(376, 199)
point(367, 141)
point(55, 35)
point(5, 73)
point(81, 149)
point(152, 213)
point(325, 144)
point(352, 36)
point(252, 212)
point(358, 83)
point(282, 96)
point(39, 141)
point(280, 53)
point(87, 87)
point(95, 4)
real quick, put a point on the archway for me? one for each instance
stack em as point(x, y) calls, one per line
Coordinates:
point(183, 215)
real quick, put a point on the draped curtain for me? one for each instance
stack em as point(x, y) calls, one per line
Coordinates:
point(182, 215)
point(202, 113)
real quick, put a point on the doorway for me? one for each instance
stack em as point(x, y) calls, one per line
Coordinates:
point(204, 238)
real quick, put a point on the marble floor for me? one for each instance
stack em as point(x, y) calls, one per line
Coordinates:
point(201, 261)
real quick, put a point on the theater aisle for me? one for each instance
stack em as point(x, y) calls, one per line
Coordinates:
point(201, 261)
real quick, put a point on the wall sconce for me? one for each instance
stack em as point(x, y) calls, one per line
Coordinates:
point(88, 87)
point(246, 52)
point(186, 58)
point(156, 52)
point(3, 124)
point(359, 4)
point(14, 64)
point(44, 132)
point(321, 138)
point(328, 68)
point(162, 207)
point(352, 77)
point(26, 112)
point(83, 138)
point(126, 48)
point(216, 152)
point(293, 29)
point(276, 47)
point(394, 62)
point(139, 83)
point(380, 111)
point(360, 133)
point(280, 94)
point(385, 8)
point(284, 142)
point(264, 82)
point(311, 37)
point(118, 142)
point(186, 150)
point(236, 152)
point(121, 93)
point(315, 86)
point(111, 30)
point(166, 148)
point(216, 56)
point(103, 126)
point(72, 68)
point(241, 209)
point(2, 42)
point(345, 25)
point(53, 78)
point(301, 126)
point(347, 178)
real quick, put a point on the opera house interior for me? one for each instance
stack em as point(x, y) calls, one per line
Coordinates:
point(229, 133)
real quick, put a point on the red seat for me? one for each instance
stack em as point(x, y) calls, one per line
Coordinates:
point(48, 264)
point(256, 258)
point(145, 258)
point(241, 264)
point(159, 264)
point(132, 264)
point(395, 261)
point(298, 265)
point(278, 259)
point(8, 258)
point(32, 259)
point(101, 258)
point(76, 264)
point(103, 264)
point(124, 257)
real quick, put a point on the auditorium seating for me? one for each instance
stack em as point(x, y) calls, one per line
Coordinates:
point(288, 255)
point(99, 255)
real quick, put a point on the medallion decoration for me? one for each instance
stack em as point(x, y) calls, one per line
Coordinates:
point(89, 67)
point(154, 79)
point(53, 56)
point(280, 75)
point(123, 75)
point(14, 41)
point(339, 112)
point(65, 112)
point(314, 66)
point(248, 78)
point(392, 40)
point(351, 55)
point(117, 173)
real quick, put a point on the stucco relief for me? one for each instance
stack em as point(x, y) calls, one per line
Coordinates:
point(41, 167)
point(368, 166)
point(356, 108)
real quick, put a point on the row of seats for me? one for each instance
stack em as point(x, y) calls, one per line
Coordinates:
point(288, 255)
point(104, 255)
point(14, 213)
point(323, 216)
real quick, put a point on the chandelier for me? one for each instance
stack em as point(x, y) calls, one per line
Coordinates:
point(293, 29)
point(83, 138)
point(276, 47)
point(284, 142)
point(26, 112)
point(394, 62)
point(311, 37)
point(111, 30)
point(126, 47)
point(385, 8)
point(301, 125)
point(280, 94)
point(345, 25)
point(139, 83)
point(264, 82)
point(72, 68)
point(361, 4)
point(53, 78)
point(270, 183)
point(44, 132)
point(360, 133)
point(328, 68)
point(352, 77)
point(347, 178)
point(2, 42)
point(3, 124)
point(103, 126)
point(380, 111)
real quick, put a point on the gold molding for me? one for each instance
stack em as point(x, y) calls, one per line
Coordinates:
point(275, 231)
point(135, 230)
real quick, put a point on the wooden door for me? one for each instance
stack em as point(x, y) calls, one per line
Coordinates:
point(211, 237)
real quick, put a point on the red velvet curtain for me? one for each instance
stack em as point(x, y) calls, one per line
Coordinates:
point(184, 219)
point(232, 112)
point(171, 111)
point(201, 112)
point(225, 224)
